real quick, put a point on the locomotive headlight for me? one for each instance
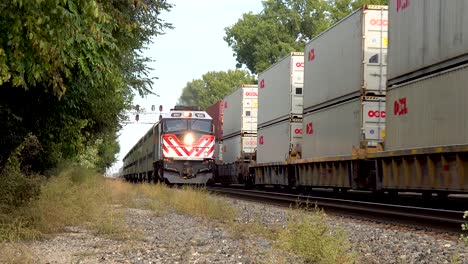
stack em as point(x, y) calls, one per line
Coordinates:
point(188, 139)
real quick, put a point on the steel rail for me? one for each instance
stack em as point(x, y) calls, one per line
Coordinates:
point(449, 220)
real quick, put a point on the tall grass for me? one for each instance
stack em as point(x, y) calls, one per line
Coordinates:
point(310, 235)
point(14, 253)
point(160, 199)
point(75, 197)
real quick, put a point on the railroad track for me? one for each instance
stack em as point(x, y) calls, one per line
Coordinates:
point(439, 219)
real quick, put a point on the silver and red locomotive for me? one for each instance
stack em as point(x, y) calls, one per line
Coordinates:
point(178, 149)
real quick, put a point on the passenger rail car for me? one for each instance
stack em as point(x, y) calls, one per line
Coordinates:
point(178, 149)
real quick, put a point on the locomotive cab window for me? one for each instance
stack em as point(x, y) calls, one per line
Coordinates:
point(201, 125)
point(173, 125)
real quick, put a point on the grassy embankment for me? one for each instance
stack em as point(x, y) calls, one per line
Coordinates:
point(78, 197)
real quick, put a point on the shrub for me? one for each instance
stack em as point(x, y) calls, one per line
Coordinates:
point(309, 235)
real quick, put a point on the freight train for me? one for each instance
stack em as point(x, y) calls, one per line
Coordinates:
point(331, 117)
point(178, 149)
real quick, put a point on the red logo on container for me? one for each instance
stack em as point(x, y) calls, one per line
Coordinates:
point(400, 107)
point(402, 5)
point(260, 140)
point(298, 131)
point(377, 114)
point(262, 84)
point(310, 129)
point(311, 55)
point(379, 22)
point(251, 94)
point(300, 64)
point(250, 143)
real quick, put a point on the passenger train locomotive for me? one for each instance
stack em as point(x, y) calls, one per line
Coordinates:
point(178, 149)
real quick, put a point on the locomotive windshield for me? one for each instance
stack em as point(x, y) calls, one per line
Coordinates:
point(200, 125)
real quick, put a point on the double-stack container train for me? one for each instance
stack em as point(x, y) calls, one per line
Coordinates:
point(362, 129)
point(178, 149)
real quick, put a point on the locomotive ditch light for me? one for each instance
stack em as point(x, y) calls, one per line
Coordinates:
point(188, 139)
point(187, 114)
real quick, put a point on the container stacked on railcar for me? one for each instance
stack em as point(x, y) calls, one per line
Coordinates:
point(279, 117)
point(239, 133)
point(280, 109)
point(427, 135)
point(179, 149)
point(344, 85)
point(344, 102)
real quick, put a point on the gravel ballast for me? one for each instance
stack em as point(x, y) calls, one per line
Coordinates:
point(175, 238)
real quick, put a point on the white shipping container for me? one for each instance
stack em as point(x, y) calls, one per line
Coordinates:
point(240, 111)
point(348, 59)
point(428, 112)
point(334, 131)
point(426, 36)
point(238, 147)
point(277, 141)
point(280, 89)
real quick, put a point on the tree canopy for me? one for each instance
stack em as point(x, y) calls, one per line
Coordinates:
point(284, 26)
point(213, 86)
point(68, 70)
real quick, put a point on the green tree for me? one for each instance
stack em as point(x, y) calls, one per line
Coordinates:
point(283, 26)
point(213, 86)
point(69, 69)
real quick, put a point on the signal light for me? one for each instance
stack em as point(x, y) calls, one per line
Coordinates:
point(137, 117)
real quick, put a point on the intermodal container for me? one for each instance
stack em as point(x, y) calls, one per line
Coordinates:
point(280, 90)
point(426, 36)
point(348, 59)
point(240, 111)
point(338, 129)
point(216, 112)
point(428, 112)
point(275, 143)
point(238, 148)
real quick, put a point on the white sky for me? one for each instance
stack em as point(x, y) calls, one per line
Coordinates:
point(194, 47)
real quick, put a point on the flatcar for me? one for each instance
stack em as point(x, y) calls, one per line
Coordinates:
point(178, 149)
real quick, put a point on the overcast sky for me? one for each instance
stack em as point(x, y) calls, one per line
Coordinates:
point(194, 47)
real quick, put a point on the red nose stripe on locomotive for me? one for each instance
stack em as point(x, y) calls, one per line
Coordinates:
point(208, 143)
point(171, 142)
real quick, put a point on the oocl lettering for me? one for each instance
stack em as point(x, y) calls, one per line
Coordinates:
point(262, 84)
point(260, 140)
point(298, 131)
point(300, 64)
point(379, 22)
point(402, 5)
point(251, 94)
point(377, 114)
point(250, 143)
